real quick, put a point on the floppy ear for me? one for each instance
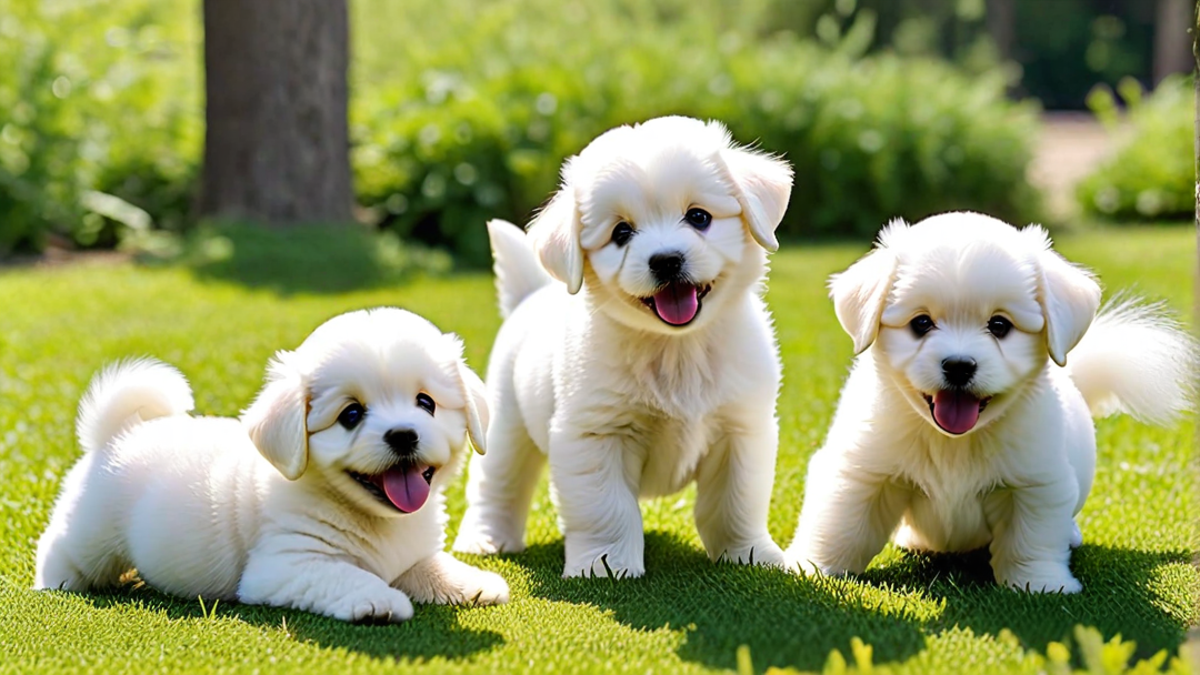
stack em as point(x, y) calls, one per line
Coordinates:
point(277, 420)
point(554, 235)
point(764, 186)
point(1069, 296)
point(478, 413)
point(859, 294)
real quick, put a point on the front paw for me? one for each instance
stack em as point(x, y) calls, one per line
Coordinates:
point(390, 606)
point(478, 542)
point(484, 588)
point(1043, 577)
point(805, 562)
point(603, 565)
point(799, 562)
point(767, 554)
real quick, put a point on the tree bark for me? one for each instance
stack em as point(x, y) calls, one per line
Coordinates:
point(1001, 20)
point(1171, 39)
point(276, 148)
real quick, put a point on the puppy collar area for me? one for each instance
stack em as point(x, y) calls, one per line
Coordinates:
point(955, 411)
point(404, 486)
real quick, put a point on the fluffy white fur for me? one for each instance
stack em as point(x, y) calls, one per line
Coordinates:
point(1016, 478)
point(586, 376)
point(263, 510)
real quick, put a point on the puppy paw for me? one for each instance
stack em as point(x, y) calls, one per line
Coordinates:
point(486, 588)
point(767, 554)
point(443, 579)
point(387, 607)
point(605, 565)
point(805, 563)
point(1039, 578)
point(799, 562)
point(477, 542)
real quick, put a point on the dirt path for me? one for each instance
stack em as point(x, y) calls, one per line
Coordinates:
point(1070, 146)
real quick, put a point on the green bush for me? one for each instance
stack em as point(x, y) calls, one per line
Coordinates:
point(1150, 176)
point(463, 111)
point(470, 138)
point(95, 97)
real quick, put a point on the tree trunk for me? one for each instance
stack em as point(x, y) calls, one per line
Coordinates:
point(1001, 19)
point(1171, 38)
point(276, 149)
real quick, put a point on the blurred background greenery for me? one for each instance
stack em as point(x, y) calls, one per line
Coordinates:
point(462, 110)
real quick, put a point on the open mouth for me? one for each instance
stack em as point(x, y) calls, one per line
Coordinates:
point(678, 302)
point(955, 411)
point(404, 487)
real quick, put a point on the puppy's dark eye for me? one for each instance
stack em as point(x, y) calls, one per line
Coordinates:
point(621, 233)
point(999, 326)
point(425, 402)
point(921, 325)
point(698, 218)
point(352, 415)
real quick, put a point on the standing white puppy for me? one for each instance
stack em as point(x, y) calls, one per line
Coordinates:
point(964, 423)
point(651, 363)
point(326, 496)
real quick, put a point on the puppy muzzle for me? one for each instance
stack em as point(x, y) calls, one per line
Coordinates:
point(956, 410)
point(406, 484)
point(678, 299)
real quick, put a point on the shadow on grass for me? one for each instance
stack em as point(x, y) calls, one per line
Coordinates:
point(298, 259)
point(785, 620)
point(796, 622)
point(1147, 597)
point(434, 630)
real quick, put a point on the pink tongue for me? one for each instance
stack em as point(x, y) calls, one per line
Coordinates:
point(677, 304)
point(407, 489)
point(955, 411)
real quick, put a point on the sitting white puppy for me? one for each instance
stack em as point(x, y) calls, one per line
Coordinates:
point(325, 496)
point(651, 365)
point(963, 424)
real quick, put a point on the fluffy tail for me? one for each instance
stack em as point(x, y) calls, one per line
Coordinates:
point(127, 393)
point(1136, 359)
point(518, 272)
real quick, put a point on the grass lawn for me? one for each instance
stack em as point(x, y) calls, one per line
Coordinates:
point(919, 614)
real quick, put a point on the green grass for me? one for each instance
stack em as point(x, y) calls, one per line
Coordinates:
point(918, 614)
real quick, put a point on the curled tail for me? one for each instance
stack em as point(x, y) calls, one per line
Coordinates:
point(1135, 359)
point(518, 272)
point(126, 393)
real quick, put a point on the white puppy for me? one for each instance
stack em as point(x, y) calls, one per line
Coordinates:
point(963, 423)
point(325, 496)
point(652, 364)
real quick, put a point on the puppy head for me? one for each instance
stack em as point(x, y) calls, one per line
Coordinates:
point(377, 403)
point(663, 220)
point(965, 309)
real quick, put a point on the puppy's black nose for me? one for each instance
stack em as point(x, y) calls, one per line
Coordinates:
point(958, 370)
point(402, 441)
point(666, 266)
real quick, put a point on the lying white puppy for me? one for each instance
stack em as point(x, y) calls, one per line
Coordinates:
point(652, 364)
point(341, 514)
point(965, 425)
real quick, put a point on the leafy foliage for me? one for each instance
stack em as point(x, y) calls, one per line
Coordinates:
point(1150, 176)
point(464, 111)
point(95, 97)
point(507, 91)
